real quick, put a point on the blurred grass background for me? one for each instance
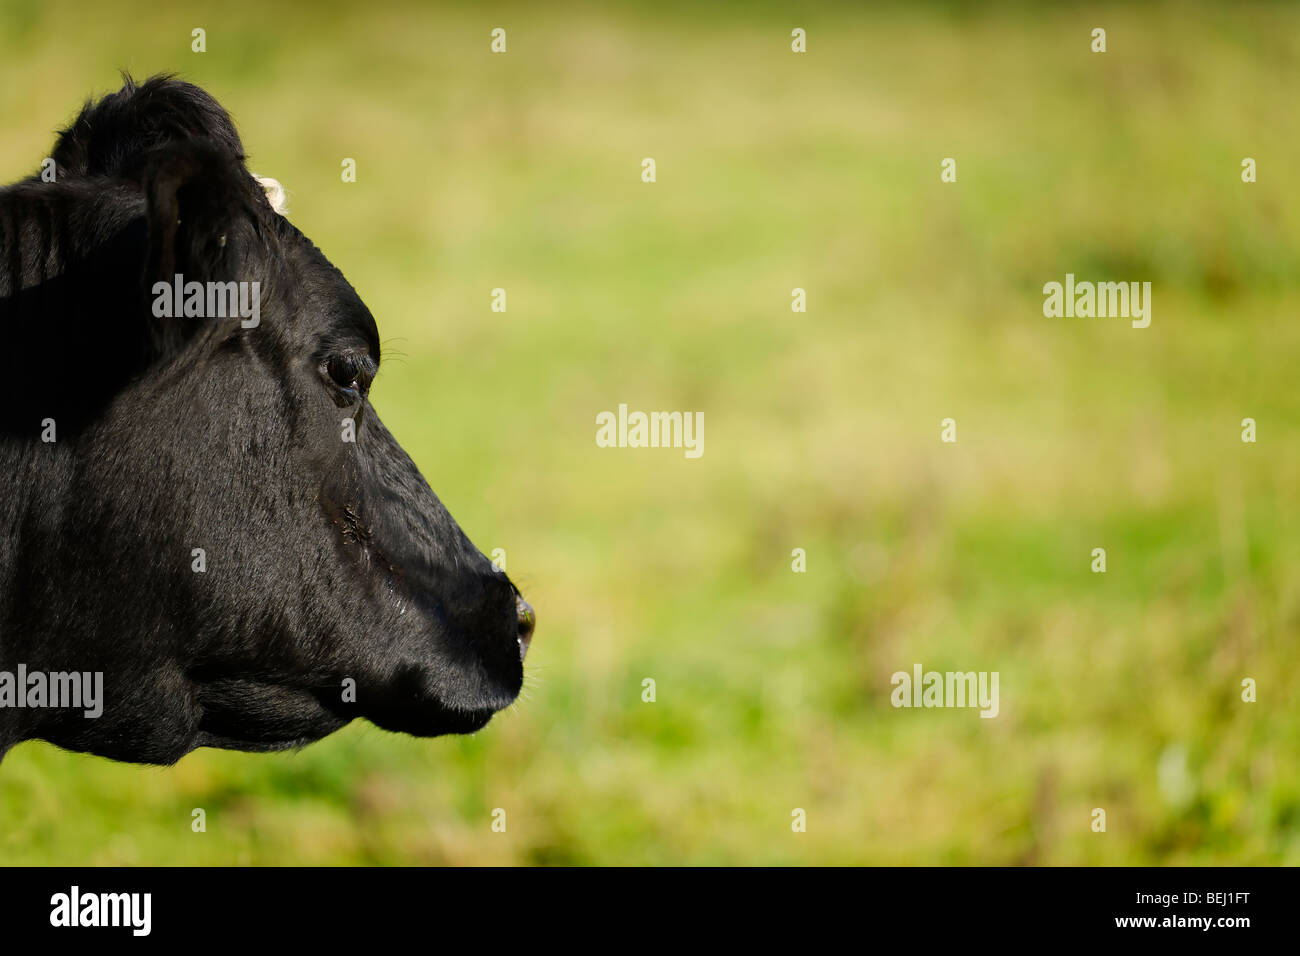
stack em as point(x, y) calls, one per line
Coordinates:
point(777, 170)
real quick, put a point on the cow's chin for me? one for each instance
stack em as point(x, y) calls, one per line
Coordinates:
point(418, 702)
point(430, 721)
point(259, 718)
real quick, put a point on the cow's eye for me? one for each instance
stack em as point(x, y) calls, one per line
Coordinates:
point(343, 369)
point(349, 372)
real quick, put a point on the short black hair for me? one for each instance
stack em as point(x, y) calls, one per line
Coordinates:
point(110, 134)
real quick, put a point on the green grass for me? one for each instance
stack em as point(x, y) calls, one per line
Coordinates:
point(822, 429)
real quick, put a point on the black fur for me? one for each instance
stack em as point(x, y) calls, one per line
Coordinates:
point(326, 560)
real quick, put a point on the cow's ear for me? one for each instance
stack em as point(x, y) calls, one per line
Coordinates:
point(197, 197)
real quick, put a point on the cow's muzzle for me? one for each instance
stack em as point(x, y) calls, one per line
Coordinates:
point(527, 622)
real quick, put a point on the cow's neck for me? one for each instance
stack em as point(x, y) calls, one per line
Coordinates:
point(62, 319)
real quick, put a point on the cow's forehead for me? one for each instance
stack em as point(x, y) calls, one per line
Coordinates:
point(332, 307)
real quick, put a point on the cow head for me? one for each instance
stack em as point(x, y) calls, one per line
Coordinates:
point(199, 501)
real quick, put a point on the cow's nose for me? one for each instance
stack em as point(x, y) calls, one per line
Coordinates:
point(527, 621)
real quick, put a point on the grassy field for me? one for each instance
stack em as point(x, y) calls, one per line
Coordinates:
point(777, 170)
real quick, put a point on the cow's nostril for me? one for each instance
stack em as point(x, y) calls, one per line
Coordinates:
point(527, 621)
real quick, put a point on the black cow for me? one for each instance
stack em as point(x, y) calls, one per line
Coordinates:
point(206, 510)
